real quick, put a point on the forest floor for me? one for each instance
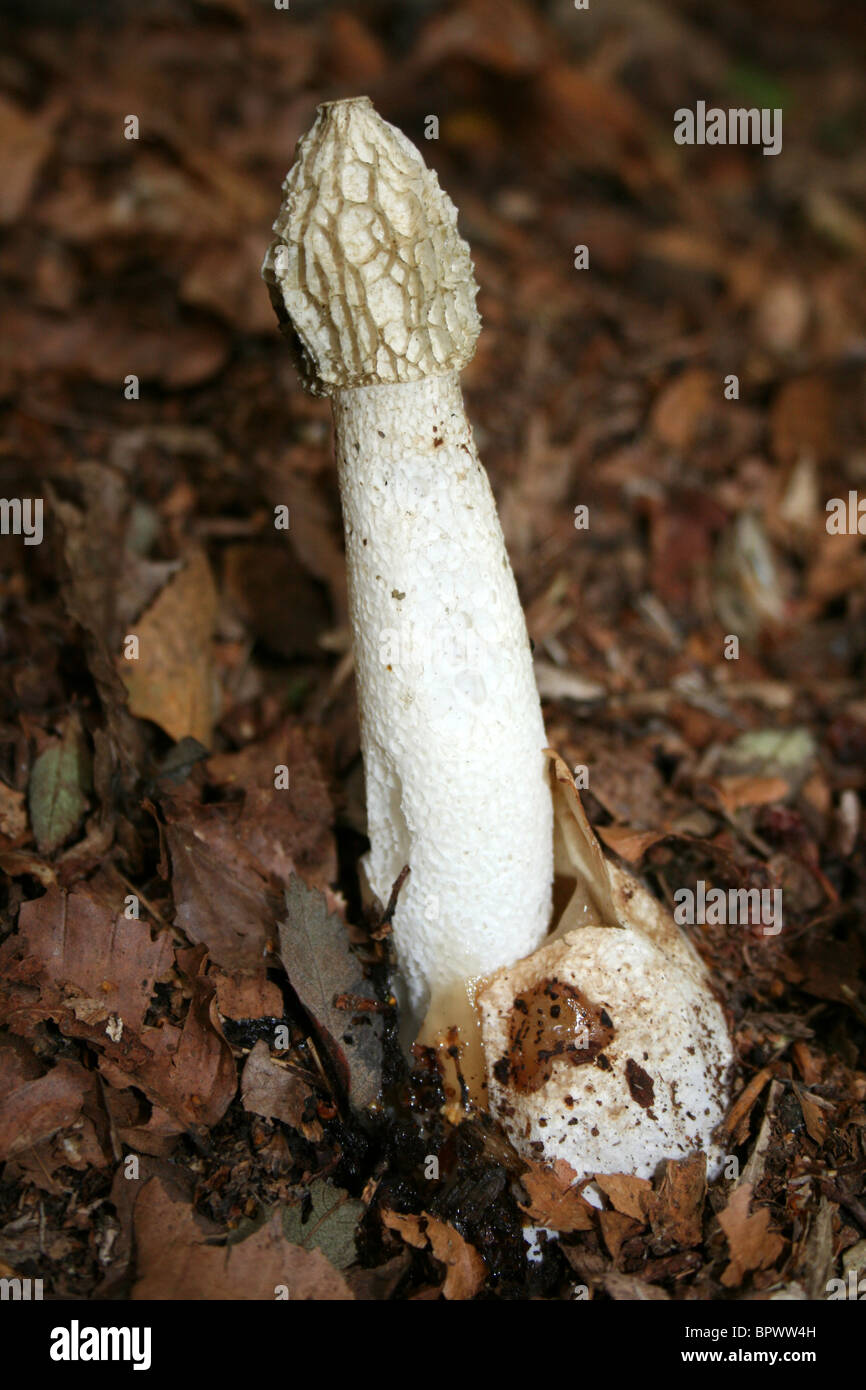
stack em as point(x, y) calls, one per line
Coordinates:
point(181, 1112)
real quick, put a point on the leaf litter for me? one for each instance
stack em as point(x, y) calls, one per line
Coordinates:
point(188, 970)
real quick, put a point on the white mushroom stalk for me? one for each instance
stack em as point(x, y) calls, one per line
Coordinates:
point(376, 290)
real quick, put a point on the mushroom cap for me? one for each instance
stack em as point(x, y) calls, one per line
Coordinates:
point(604, 1050)
point(369, 276)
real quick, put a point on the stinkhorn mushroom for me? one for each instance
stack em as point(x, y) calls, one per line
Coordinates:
point(375, 288)
point(602, 1044)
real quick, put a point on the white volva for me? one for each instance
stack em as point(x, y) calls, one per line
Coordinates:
point(606, 1047)
point(376, 288)
point(654, 1087)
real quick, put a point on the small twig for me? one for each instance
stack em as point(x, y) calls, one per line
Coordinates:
point(746, 1099)
point(116, 1147)
point(384, 927)
point(318, 1061)
point(358, 1004)
point(154, 912)
point(850, 1203)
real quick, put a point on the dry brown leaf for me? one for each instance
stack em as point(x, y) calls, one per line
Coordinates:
point(18, 1063)
point(289, 830)
point(189, 1072)
point(355, 55)
point(553, 1199)
point(172, 681)
point(607, 128)
point(687, 248)
point(630, 844)
point(683, 407)
point(24, 143)
point(315, 531)
point(410, 1227)
point(76, 958)
point(837, 566)
point(627, 1194)
point(465, 1270)
point(79, 209)
point(753, 1245)
point(223, 898)
point(264, 581)
point(17, 863)
point(814, 1116)
point(84, 1145)
point(617, 1228)
point(145, 1128)
point(247, 996)
point(272, 1090)
point(38, 1109)
point(504, 35)
point(224, 278)
point(676, 1209)
point(813, 1256)
point(13, 812)
point(682, 531)
point(808, 1063)
point(179, 354)
point(736, 792)
point(629, 787)
point(801, 419)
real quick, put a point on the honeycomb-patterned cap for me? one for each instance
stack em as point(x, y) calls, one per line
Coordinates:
point(369, 276)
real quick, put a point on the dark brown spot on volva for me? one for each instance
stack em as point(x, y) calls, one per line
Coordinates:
point(551, 1020)
point(640, 1084)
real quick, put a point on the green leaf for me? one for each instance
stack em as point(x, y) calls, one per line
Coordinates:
point(331, 1225)
point(57, 794)
point(771, 752)
point(759, 86)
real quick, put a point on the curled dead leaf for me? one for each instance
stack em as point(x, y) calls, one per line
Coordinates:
point(170, 680)
point(753, 1244)
point(465, 1270)
point(554, 1201)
